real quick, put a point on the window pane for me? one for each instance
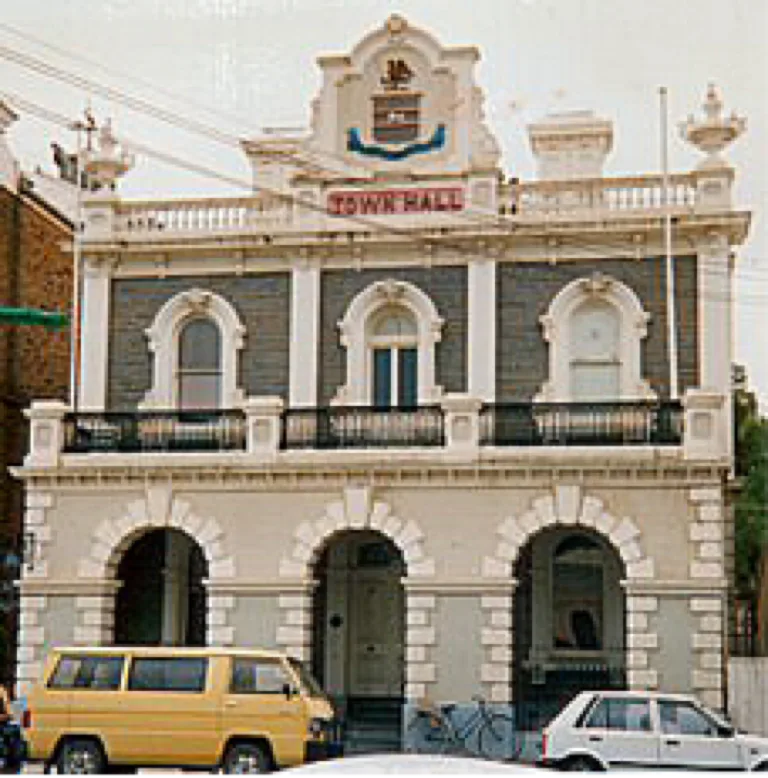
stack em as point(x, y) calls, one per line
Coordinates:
point(87, 672)
point(168, 675)
point(258, 676)
point(408, 378)
point(683, 719)
point(395, 322)
point(199, 390)
point(199, 345)
point(624, 715)
point(382, 377)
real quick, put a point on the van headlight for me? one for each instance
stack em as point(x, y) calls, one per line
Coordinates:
point(317, 728)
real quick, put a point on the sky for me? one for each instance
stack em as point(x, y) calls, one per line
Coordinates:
point(245, 66)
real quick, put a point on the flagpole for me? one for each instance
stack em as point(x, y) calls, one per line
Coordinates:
point(674, 391)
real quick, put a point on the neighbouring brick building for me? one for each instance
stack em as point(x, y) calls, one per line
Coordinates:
point(35, 272)
point(409, 419)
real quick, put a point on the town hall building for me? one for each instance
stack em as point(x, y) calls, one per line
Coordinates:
point(434, 430)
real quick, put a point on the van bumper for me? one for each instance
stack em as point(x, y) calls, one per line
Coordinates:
point(318, 750)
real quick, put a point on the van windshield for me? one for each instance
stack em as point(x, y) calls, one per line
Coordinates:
point(308, 681)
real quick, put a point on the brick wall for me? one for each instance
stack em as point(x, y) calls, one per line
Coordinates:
point(262, 303)
point(525, 291)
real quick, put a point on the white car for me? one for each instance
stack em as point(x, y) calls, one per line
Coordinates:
point(597, 730)
point(412, 764)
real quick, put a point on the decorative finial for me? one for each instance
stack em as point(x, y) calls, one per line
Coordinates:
point(109, 162)
point(713, 133)
point(396, 24)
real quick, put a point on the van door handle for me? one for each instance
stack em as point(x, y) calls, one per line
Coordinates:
point(672, 742)
point(595, 739)
point(230, 703)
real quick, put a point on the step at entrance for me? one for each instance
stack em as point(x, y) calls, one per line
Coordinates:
point(373, 725)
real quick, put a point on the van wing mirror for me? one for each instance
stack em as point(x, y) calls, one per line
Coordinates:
point(289, 690)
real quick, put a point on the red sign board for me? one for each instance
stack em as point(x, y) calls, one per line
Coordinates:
point(395, 201)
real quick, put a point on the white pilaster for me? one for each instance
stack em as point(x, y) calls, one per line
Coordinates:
point(94, 338)
point(305, 333)
point(481, 295)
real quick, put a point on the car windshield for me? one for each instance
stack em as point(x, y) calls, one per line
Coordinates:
point(307, 680)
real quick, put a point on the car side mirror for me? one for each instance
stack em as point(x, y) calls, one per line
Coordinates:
point(289, 691)
point(725, 730)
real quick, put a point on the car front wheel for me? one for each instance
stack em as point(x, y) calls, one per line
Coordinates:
point(581, 764)
point(81, 757)
point(245, 758)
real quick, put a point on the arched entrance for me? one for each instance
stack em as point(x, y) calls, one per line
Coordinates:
point(569, 621)
point(358, 637)
point(161, 599)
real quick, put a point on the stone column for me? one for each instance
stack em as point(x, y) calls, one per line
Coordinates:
point(420, 640)
point(481, 345)
point(46, 433)
point(305, 335)
point(706, 425)
point(263, 422)
point(462, 424)
point(94, 338)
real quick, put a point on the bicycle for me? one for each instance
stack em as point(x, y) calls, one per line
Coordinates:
point(481, 734)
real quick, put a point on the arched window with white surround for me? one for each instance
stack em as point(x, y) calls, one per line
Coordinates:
point(393, 347)
point(595, 327)
point(390, 330)
point(194, 340)
point(198, 373)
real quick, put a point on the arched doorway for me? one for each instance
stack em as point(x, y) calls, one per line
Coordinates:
point(569, 621)
point(161, 599)
point(358, 637)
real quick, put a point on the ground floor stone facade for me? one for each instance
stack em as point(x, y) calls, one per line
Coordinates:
point(459, 535)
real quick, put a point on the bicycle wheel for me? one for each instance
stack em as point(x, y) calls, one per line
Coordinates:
point(496, 730)
point(428, 734)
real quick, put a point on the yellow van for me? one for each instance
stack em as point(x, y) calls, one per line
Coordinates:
point(238, 710)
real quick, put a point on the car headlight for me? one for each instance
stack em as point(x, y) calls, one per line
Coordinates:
point(318, 727)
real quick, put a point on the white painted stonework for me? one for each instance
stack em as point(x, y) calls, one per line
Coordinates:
point(163, 339)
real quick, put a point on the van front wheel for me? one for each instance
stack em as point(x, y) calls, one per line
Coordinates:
point(81, 757)
point(244, 758)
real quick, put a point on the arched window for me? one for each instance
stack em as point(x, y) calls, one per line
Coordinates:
point(390, 330)
point(394, 354)
point(577, 593)
point(194, 340)
point(595, 351)
point(198, 375)
point(595, 327)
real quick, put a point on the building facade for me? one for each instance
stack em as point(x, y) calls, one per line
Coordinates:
point(36, 272)
point(399, 414)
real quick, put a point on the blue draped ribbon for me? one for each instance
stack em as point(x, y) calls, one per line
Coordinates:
point(355, 143)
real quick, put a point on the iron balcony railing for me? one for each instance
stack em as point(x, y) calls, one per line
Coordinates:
point(362, 427)
point(581, 424)
point(215, 430)
point(502, 424)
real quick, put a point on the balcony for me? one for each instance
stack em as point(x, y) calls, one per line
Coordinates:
point(337, 428)
point(133, 222)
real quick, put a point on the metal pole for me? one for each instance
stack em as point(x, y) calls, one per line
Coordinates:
point(674, 391)
point(74, 361)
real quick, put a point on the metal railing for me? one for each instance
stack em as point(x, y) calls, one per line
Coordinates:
point(214, 430)
point(361, 427)
point(582, 424)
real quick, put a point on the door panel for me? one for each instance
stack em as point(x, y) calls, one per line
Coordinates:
point(376, 640)
point(255, 704)
point(690, 738)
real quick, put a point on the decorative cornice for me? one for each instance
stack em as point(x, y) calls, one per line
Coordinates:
point(521, 470)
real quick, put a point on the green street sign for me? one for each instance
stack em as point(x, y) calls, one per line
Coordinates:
point(33, 316)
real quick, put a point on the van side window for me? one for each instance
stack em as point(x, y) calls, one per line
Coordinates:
point(168, 674)
point(257, 676)
point(87, 672)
